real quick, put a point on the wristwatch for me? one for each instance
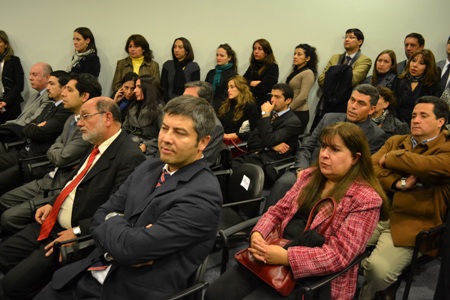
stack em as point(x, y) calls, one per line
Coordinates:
point(298, 170)
point(263, 113)
point(77, 231)
point(403, 183)
point(113, 214)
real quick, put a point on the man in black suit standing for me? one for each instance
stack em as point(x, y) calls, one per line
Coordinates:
point(26, 257)
point(276, 136)
point(155, 231)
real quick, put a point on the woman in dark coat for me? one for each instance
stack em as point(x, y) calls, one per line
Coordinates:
point(85, 58)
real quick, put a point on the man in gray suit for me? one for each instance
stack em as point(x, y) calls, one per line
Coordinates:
point(444, 67)
point(413, 42)
point(64, 154)
point(39, 74)
point(360, 106)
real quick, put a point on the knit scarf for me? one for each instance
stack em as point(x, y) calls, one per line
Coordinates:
point(77, 57)
point(413, 78)
point(218, 74)
point(179, 79)
point(379, 120)
point(295, 72)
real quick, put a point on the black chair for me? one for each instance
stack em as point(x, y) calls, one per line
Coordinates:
point(243, 201)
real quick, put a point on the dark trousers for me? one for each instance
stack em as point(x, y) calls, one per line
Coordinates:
point(9, 171)
point(304, 118)
point(443, 286)
point(239, 283)
point(22, 259)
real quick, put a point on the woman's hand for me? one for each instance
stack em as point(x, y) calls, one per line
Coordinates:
point(255, 82)
point(119, 95)
point(230, 136)
point(268, 254)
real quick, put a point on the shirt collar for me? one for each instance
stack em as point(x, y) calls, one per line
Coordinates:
point(280, 113)
point(414, 142)
point(103, 146)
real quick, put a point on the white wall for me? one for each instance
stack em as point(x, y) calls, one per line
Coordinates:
point(42, 30)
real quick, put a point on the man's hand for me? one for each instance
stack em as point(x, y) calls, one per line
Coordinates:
point(42, 213)
point(281, 148)
point(42, 124)
point(143, 147)
point(62, 236)
point(149, 263)
point(267, 107)
point(382, 161)
point(410, 183)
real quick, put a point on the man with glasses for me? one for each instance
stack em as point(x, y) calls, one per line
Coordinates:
point(26, 258)
point(65, 154)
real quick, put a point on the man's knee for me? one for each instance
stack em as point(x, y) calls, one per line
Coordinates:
point(16, 218)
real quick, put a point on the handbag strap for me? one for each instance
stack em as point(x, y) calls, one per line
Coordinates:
point(311, 214)
point(237, 147)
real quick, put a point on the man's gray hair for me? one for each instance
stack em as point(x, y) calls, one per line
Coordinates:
point(205, 90)
point(198, 109)
point(370, 91)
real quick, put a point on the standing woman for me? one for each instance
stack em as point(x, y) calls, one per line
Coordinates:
point(218, 77)
point(144, 116)
point(12, 80)
point(263, 71)
point(385, 71)
point(237, 108)
point(302, 79)
point(421, 78)
point(85, 59)
point(139, 60)
point(180, 70)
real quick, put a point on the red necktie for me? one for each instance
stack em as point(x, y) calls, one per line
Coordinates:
point(162, 178)
point(50, 221)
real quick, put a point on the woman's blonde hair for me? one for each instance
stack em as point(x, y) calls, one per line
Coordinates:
point(245, 97)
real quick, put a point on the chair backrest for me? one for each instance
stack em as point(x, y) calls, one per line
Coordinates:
point(246, 183)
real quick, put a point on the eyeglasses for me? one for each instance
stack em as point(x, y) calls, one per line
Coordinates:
point(87, 116)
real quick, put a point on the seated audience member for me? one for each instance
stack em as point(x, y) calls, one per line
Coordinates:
point(236, 109)
point(443, 288)
point(125, 94)
point(343, 172)
point(11, 81)
point(226, 68)
point(145, 114)
point(202, 89)
point(40, 133)
point(263, 71)
point(65, 154)
point(85, 58)
point(12, 129)
point(421, 78)
point(415, 170)
point(161, 224)
point(180, 70)
point(360, 106)
point(276, 136)
point(384, 113)
point(26, 258)
point(444, 67)
point(302, 79)
point(413, 42)
point(385, 71)
point(139, 61)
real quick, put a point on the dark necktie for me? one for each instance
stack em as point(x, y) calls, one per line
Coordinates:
point(162, 178)
point(349, 59)
point(274, 117)
point(50, 221)
point(444, 77)
point(71, 128)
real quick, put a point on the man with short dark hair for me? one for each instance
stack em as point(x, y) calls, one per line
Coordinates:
point(276, 136)
point(415, 170)
point(204, 90)
point(360, 106)
point(413, 42)
point(444, 67)
point(162, 222)
point(65, 153)
point(26, 257)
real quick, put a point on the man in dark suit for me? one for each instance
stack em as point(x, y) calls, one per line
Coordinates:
point(444, 67)
point(27, 261)
point(65, 153)
point(39, 74)
point(157, 229)
point(204, 90)
point(276, 136)
point(39, 134)
point(360, 106)
point(413, 42)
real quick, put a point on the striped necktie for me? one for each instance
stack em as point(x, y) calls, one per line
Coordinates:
point(162, 178)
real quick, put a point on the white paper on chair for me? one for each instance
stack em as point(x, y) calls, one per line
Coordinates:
point(245, 183)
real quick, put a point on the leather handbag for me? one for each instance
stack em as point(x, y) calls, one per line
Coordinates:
point(280, 277)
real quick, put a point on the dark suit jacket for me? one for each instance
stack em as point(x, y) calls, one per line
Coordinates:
point(184, 212)
point(103, 179)
point(88, 64)
point(13, 81)
point(285, 129)
point(309, 150)
point(41, 138)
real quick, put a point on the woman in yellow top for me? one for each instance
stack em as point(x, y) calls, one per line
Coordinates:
point(139, 61)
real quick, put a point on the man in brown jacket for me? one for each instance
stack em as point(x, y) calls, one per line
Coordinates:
point(415, 170)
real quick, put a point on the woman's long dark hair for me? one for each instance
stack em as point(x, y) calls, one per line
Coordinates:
point(153, 96)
